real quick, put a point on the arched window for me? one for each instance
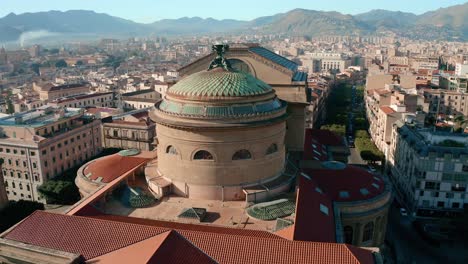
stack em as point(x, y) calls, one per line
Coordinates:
point(272, 149)
point(203, 155)
point(348, 234)
point(171, 150)
point(239, 65)
point(242, 154)
point(368, 232)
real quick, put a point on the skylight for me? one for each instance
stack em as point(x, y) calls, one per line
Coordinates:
point(344, 194)
point(324, 209)
point(364, 191)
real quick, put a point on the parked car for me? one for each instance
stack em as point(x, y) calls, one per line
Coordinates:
point(403, 212)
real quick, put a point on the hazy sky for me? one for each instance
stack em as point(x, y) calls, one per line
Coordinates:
point(152, 10)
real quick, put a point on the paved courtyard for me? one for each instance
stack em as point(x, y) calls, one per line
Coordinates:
point(229, 214)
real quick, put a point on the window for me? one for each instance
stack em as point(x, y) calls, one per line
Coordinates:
point(203, 155)
point(33, 153)
point(324, 209)
point(272, 149)
point(242, 154)
point(116, 133)
point(440, 204)
point(348, 234)
point(368, 232)
point(171, 150)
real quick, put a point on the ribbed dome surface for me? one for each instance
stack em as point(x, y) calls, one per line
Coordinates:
point(220, 82)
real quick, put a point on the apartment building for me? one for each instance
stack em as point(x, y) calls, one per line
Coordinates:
point(140, 99)
point(131, 130)
point(386, 106)
point(40, 144)
point(85, 100)
point(446, 102)
point(48, 91)
point(429, 170)
point(453, 82)
point(322, 61)
point(426, 63)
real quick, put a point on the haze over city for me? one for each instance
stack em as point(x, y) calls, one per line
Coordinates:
point(233, 132)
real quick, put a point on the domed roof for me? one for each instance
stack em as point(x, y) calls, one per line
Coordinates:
point(220, 95)
point(220, 82)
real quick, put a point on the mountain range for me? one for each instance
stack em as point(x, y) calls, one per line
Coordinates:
point(449, 23)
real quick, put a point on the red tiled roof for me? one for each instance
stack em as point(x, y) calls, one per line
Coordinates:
point(387, 110)
point(86, 236)
point(112, 166)
point(350, 179)
point(237, 249)
point(311, 224)
point(192, 227)
point(92, 238)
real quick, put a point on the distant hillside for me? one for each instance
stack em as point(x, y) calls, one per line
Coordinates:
point(388, 19)
point(445, 23)
point(309, 22)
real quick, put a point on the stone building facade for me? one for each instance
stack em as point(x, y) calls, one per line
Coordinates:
point(40, 144)
point(429, 170)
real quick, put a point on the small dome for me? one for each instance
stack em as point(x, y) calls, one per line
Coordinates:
point(219, 82)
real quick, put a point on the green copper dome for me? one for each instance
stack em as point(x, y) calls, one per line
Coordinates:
point(220, 82)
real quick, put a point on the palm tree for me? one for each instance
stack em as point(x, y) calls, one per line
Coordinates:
point(461, 122)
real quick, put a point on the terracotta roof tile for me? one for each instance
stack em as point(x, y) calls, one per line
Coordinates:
point(93, 237)
point(75, 234)
point(387, 110)
point(193, 227)
point(112, 166)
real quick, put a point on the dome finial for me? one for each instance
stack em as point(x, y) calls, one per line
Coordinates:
point(220, 61)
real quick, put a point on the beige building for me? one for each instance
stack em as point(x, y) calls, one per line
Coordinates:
point(280, 73)
point(85, 100)
point(446, 102)
point(140, 99)
point(48, 91)
point(40, 144)
point(133, 130)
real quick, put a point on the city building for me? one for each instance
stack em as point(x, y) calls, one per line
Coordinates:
point(428, 170)
point(40, 144)
point(322, 61)
point(445, 102)
point(453, 82)
point(461, 69)
point(84, 100)
point(131, 130)
point(48, 91)
point(140, 99)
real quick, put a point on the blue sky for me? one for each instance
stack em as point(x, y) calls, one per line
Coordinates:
point(151, 10)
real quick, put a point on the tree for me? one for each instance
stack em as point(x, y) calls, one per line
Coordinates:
point(59, 192)
point(15, 211)
point(61, 64)
point(79, 63)
point(461, 122)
